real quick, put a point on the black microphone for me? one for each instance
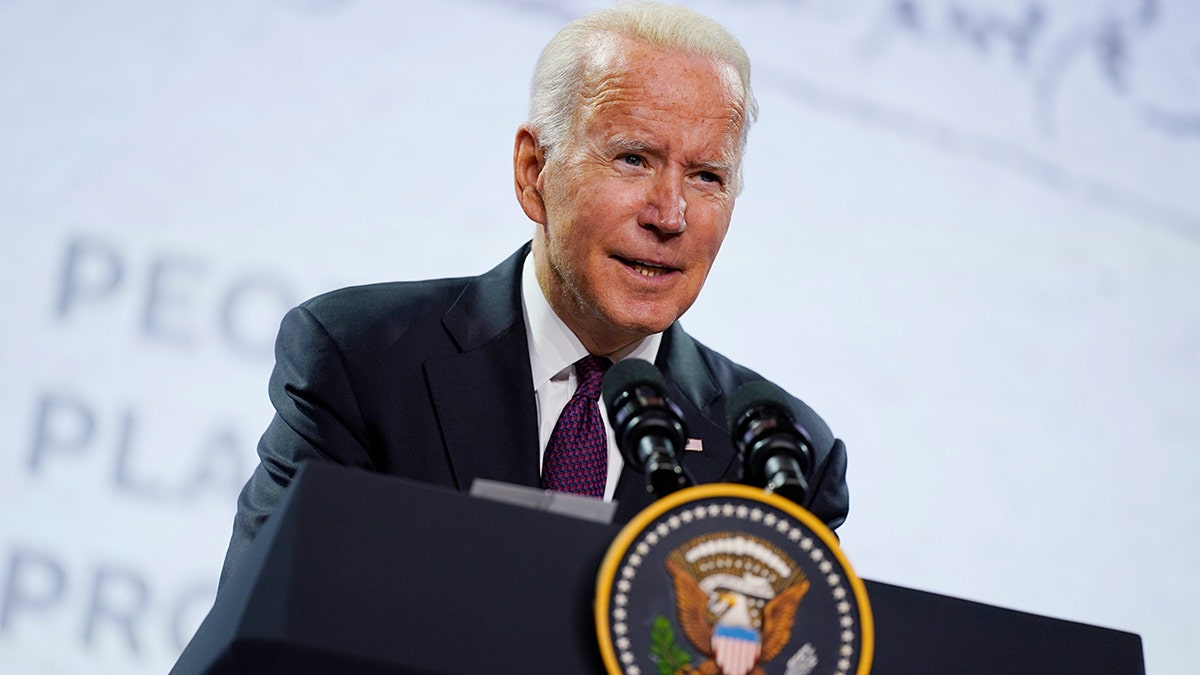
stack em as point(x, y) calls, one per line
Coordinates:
point(648, 426)
point(774, 448)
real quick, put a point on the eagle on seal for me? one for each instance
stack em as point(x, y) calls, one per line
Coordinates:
point(721, 624)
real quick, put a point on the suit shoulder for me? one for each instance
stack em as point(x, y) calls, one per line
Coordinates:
point(382, 312)
point(731, 375)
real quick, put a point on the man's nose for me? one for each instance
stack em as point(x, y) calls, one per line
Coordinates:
point(666, 208)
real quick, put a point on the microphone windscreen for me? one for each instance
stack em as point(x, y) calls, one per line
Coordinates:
point(625, 375)
point(753, 395)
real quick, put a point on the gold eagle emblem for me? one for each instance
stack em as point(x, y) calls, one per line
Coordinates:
point(736, 598)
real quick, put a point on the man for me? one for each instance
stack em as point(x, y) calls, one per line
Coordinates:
point(629, 166)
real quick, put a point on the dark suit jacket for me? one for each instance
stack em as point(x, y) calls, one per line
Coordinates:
point(431, 380)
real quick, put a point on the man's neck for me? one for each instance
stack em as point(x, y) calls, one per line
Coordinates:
point(552, 344)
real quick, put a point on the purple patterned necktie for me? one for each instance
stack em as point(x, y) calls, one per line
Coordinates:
point(577, 455)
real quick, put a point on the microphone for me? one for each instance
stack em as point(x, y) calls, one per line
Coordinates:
point(648, 426)
point(775, 449)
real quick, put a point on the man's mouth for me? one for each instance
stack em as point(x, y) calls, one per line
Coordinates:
point(646, 269)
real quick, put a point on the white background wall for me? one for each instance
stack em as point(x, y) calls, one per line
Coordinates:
point(970, 238)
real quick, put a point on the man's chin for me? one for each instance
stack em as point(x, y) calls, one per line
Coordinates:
point(633, 329)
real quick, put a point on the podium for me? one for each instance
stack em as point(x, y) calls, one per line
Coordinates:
point(363, 573)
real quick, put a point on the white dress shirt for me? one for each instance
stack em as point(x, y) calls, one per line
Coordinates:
point(553, 351)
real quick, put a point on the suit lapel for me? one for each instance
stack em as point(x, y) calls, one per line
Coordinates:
point(697, 393)
point(484, 401)
point(483, 396)
point(702, 399)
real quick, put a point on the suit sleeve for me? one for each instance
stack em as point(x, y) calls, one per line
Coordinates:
point(830, 500)
point(316, 418)
point(828, 493)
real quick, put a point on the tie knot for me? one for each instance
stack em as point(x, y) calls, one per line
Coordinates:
point(590, 371)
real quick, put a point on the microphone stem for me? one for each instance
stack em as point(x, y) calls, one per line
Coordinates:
point(663, 473)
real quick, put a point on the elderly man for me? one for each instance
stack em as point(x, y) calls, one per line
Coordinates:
point(629, 166)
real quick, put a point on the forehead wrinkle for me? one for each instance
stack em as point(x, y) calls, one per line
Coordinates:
point(605, 82)
point(600, 74)
point(642, 111)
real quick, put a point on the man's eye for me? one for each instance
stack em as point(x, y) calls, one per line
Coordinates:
point(709, 177)
point(634, 160)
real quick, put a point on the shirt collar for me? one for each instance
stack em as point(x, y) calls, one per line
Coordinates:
point(552, 346)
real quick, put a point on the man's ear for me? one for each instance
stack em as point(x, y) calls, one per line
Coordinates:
point(528, 162)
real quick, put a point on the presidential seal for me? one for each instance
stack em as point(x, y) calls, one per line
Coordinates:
point(726, 579)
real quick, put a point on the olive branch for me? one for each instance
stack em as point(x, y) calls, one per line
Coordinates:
point(669, 657)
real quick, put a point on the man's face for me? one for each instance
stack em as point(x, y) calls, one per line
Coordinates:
point(637, 204)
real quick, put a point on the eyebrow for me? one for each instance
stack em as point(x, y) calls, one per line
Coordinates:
point(636, 146)
point(628, 144)
point(724, 168)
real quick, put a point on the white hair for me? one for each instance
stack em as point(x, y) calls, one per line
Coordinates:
point(582, 48)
